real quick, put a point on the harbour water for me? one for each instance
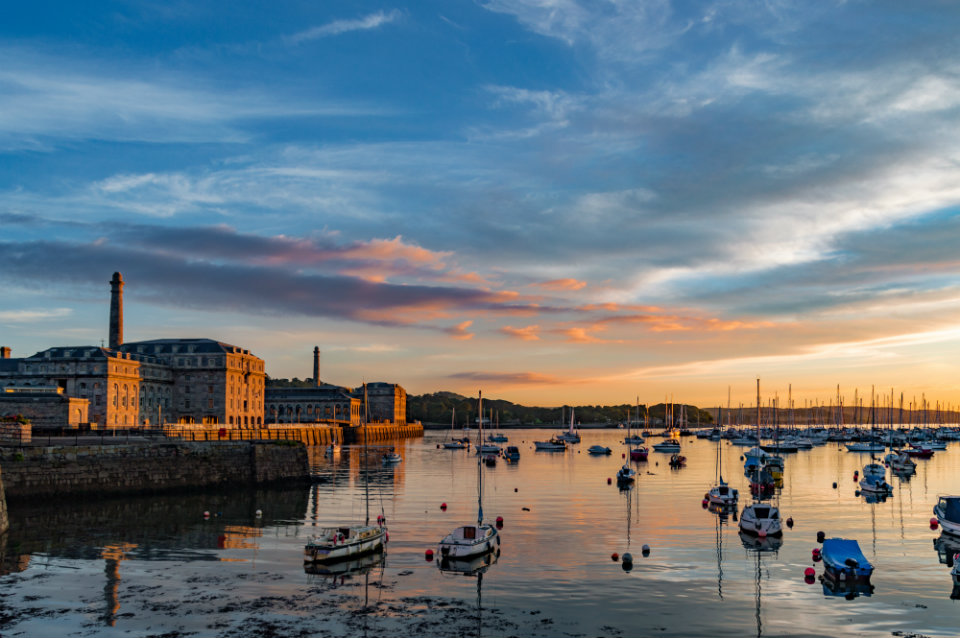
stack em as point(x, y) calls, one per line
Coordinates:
point(156, 566)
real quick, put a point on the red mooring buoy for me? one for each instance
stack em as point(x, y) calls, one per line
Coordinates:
point(428, 555)
point(809, 571)
point(934, 523)
point(614, 557)
point(443, 506)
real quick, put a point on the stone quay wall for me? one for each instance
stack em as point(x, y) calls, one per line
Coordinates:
point(303, 433)
point(382, 432)
point(13, 433)
point(34, 472)
point(4, 521)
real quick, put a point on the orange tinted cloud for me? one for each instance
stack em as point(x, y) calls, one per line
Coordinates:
point(562, 284)
point(394, 250)
point(582, 335)
point(528, 333)
point(459, 331)
point(510, 378)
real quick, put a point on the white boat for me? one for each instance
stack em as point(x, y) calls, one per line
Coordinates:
point(497, 438)
point(865, 446)
point(761, 519)
point(667, 446)
point(626, 474)
point(721, 493)
point(468, 541)
point(455, 444)
point(488, 448)
point(570, 436)
point(598, 450)
point(947, 511)
point(392, 457)
point(636, 439)
point(344, 543)
point(875, 469)
point(348, 542)
point(553, 445)
point(900, 461)
point(875, 485)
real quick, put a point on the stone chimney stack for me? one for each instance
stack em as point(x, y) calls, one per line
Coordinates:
point(316, 365)
point(116, 311)
point(4, 352)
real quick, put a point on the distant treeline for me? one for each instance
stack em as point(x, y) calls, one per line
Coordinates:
point(439, 406)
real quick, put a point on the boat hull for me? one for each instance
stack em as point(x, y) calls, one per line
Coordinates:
point(465, 549)
point(326, 553)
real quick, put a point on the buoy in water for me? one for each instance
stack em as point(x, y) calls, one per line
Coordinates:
point(514, 489)
point(816, 555)
point(645, 550)
point(609, 480)
point(834, 485)
point(809, 580)
point(627, 558)
point(259, 513)
point(443, 506)
point(623, 456)
point(820, 537)
point(790, 522)
point(206, 514)
point(614, 557)
point(934, 523)
point(499, 521)
point(704, 503)
point(809, 571)
point(428, 555)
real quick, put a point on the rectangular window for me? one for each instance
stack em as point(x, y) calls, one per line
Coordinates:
point(210, 403)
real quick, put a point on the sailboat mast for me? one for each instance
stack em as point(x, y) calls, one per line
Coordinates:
point(480, 463)
point(366, 470)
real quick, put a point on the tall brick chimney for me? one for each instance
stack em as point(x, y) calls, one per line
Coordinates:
point(316, 365)
point(116, 311)
point(4, 352)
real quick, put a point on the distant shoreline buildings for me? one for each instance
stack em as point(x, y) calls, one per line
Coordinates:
point(175, 381)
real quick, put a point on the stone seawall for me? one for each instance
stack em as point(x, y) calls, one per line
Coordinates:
point(125, 469)
point(4, 521)
point(373, 433)
point(306, 434)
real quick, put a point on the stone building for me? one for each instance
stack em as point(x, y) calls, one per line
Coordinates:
point(148, 382)
point(44, 406)
point(324, 402)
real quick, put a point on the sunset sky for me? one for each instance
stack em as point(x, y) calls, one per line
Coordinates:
point(554, 201)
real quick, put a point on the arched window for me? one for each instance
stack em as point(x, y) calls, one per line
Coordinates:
point(126, 394)
point(116, 396)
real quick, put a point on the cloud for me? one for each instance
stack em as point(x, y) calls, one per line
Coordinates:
point(460, 332)
point(528, 333)
point(509, 378)
point(26, 316)
point(562, 284)
point(366, 23)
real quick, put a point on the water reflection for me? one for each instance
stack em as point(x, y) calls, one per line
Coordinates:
point(759, 547)
point(474, 567)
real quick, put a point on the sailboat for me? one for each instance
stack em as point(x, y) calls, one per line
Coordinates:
point(498, 437)
point(721, 493)
point(486, 449)
point(760, 519)
point(637, 453)
point(455, 444)
point(469, 541)
point(351, 541)
point(570, 436)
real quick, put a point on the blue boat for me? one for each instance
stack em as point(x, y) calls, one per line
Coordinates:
point(842, 557)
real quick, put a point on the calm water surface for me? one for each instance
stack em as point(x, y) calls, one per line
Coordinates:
point(149, 566)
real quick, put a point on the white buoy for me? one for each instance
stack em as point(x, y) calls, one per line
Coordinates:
point(259, 513)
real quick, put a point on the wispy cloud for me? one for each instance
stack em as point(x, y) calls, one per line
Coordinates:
point(26, 316)
point(366, 23)
point(527, 333)
point(509, 378)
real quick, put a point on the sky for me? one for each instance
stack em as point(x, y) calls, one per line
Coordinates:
point(554, 201)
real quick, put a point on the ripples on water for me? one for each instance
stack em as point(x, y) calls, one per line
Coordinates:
point(151, 565)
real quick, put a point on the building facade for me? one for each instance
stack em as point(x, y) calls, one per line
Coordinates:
point(148, 382)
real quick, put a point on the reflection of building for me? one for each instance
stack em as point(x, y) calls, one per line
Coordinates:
point(324, 402)
point(157, 381)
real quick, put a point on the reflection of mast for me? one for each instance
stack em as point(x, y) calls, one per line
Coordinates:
point(479, 602)
point(759, 621)
point(719, 559)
